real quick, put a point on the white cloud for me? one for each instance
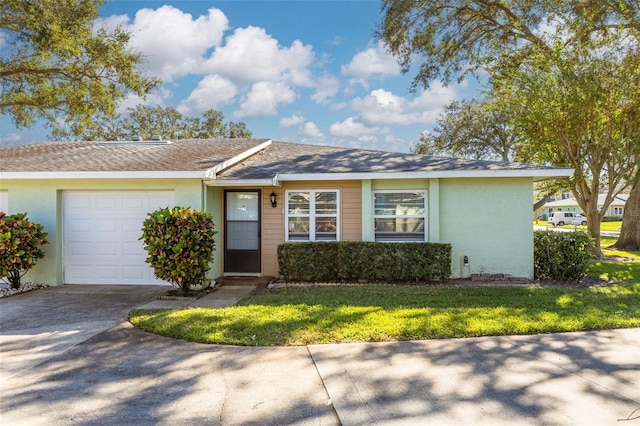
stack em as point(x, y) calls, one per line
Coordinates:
point(212, 92)
point(263, 99)
point(326, 87)
point(383, 107)
point(291, 121)
point(351, 128)
point(310, 129)
point(251, 55)
point(13, 139)
point(172, 42)
point(374, 61)
point(132, 100)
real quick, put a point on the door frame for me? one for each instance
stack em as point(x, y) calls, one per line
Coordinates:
point(225, 270)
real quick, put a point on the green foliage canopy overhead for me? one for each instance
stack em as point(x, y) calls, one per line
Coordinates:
point(148, 121)
point(57, 64)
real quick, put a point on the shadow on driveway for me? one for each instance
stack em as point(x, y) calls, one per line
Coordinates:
point(68, 356)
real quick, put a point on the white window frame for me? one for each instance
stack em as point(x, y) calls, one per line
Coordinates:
point(425, 216)
point(312, 213)
point(618, 210)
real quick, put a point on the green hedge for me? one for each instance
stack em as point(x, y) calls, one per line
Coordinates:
point(354, 261)
point(561, 256)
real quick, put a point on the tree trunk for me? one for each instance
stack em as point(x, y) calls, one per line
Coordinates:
point(630, 232)
point(593, 227)
point(541, 203)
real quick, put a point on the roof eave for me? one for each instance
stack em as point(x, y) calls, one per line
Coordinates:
point(535, 174)
point(213, 171)
point(160, 174)
point(239, 182)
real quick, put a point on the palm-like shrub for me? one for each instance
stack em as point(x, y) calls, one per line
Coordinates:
point(179, 242)
point(21, 244)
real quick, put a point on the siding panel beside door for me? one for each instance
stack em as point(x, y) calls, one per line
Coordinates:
point(101, 232)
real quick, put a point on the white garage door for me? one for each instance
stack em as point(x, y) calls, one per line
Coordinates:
point(100, 236)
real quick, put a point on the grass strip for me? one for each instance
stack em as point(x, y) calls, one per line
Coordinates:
point(301, 316)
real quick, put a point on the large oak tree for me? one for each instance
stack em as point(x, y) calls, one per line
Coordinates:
point(57, 64)
point(518, 41)
point(476, 129)
point(148, 121)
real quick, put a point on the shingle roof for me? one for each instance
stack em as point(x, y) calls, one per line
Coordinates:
point(279, 158)
point(183, 155)
point(292, 158)
point(618, 200)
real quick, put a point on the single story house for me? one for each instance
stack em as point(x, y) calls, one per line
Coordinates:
point(615, 209)
point(91, 197)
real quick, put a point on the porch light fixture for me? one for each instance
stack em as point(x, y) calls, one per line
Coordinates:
point(272, 197)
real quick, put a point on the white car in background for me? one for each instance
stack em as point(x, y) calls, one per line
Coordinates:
point(566, 218)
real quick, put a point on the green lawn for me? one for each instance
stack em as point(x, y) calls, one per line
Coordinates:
point(617, 272)
point(300, 316)
point(604, 226)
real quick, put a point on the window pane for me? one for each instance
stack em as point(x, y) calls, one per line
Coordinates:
point(298, 203)
point(299, 228)
point(414, 224)
point(399, 204)
point(326, 228)
point(326, 203)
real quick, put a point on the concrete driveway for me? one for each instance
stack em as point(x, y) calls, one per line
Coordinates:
point(68, 356)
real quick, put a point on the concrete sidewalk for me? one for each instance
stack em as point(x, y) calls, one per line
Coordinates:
point(589, 378)
point(68, 357)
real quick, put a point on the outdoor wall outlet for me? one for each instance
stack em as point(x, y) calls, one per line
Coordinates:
point(465, 260)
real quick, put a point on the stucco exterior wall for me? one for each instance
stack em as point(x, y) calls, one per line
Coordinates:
point(42, 200)
point(488, 220)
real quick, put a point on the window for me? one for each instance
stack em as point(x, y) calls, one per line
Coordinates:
point(400, 216)
point(618, 211)
point(312, 215)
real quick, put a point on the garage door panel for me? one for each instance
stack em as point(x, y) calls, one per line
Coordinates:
point(133, 203)
point(105, 201)
point(109, 225)
point(107, 272)
point(133, 273)
point(101, 232)
point(132, 225)
point(133, 249)
point(107, 249)
point(80, 249)
point(81, 225)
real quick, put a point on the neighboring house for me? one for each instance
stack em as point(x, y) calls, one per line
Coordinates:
point(615, 209)
point(92, 197)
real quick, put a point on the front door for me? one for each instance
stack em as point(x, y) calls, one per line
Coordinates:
point(242, 232)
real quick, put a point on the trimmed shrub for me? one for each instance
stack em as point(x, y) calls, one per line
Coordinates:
point(561, 256)
point(353, 261)
point(21, 244)
point(180, 245)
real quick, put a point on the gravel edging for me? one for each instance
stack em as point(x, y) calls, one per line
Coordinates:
point(7, 291)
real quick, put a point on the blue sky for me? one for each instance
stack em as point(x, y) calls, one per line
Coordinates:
point(299, 71)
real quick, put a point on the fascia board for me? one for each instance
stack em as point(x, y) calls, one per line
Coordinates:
point(540, 174)
point(239, 182)
point(105, 175)
point(213, 171)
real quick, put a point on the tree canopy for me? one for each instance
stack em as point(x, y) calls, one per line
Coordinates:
point(57, 64)
point(472, 129)
point(569, 70)
point(148, 121)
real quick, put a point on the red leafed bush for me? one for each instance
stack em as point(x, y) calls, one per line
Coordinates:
point(21, 244)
